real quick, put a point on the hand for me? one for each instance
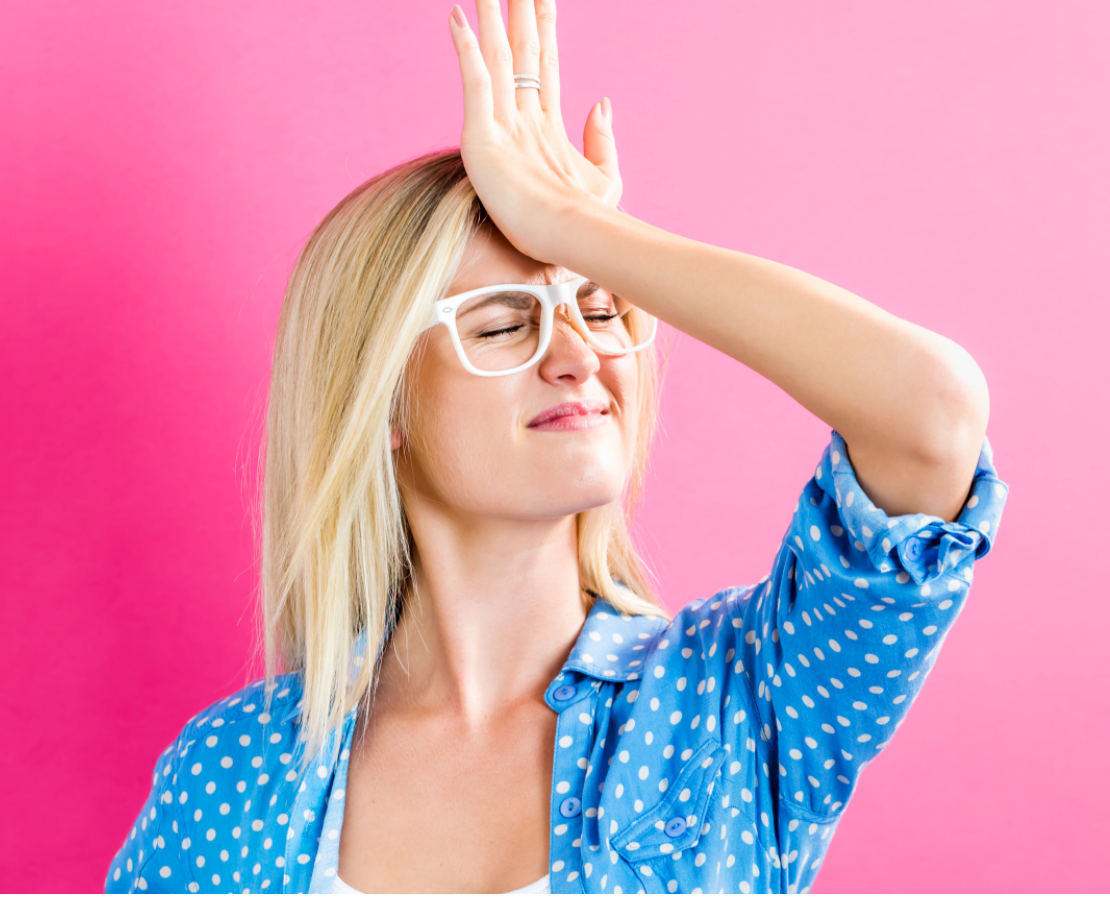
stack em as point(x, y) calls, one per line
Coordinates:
point(515, 149)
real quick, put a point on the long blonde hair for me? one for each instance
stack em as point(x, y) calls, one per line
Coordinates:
point(336, 554)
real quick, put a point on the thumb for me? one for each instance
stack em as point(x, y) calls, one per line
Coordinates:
point(598, 144)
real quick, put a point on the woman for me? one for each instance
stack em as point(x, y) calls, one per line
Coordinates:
point(483, 694)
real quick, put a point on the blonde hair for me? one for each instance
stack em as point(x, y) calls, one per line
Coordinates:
point(336, 554)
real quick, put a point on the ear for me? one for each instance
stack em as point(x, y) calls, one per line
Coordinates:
point(394, 439)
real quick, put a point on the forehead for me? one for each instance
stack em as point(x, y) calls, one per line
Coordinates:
point(489, 258)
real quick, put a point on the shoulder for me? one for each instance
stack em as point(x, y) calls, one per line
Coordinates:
point(224, 744)
point(257, 707)
point(694, 659)
point(701, 628)
point(229, 754)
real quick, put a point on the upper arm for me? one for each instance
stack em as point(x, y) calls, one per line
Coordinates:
point(925, 462)
point(152, 858)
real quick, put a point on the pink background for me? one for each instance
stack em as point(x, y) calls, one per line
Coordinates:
point(162, 162)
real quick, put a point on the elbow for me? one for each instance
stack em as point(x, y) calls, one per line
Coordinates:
point(957, 406)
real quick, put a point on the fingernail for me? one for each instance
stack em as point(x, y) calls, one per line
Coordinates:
point(607, 109)
point(457, 15)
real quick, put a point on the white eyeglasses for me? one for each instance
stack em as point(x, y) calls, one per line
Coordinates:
point(505, 328)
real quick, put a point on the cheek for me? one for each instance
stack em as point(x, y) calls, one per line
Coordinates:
point(460, 430)
point(622, 380)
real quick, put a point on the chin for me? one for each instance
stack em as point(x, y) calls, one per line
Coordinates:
point(588, 493)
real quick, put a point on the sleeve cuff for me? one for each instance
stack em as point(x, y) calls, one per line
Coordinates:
point(925, 547)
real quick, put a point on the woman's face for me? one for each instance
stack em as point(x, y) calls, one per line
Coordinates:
point(489, 447)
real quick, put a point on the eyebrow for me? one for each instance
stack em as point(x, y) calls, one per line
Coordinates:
point(511, 299)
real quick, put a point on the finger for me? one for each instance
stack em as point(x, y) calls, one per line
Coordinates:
point(549, 55)
point(477, 95)
point(497, 54)
point(598, 144)
point(525, 43)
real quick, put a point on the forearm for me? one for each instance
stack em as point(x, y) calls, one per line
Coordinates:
point(910, 404)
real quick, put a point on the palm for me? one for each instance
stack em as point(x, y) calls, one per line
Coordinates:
point(514, 145)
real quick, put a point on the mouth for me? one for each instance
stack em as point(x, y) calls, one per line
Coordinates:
point(577, 415)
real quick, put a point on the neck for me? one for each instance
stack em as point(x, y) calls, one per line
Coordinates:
point(495, 609)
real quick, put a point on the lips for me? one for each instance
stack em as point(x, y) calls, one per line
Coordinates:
point(575, 408)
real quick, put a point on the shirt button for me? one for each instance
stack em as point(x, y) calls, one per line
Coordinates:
point(572, 806)
point(675, 827)
point(565, 692)
point(913, 548)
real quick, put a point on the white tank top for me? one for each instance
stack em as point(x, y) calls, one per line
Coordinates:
point(543, 886)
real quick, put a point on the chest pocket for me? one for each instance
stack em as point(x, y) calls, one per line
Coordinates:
point(675, 822)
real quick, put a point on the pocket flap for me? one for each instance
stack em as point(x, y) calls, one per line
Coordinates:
point(675, 822)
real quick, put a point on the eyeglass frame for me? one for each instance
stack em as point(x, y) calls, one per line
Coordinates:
point(551, 297)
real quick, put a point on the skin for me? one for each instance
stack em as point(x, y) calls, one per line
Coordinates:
point(449, 785)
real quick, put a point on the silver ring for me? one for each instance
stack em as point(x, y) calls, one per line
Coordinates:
point(527, 81)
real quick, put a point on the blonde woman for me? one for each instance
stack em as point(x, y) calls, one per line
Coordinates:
point(481, 692)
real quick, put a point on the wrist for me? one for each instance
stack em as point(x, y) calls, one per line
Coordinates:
point(584, 231)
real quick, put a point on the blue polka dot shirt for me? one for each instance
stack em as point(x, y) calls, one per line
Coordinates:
point(715, 752)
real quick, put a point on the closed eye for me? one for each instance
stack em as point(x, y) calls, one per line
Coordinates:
point(509, 329)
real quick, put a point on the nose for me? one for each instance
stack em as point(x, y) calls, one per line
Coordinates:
point(569, 359)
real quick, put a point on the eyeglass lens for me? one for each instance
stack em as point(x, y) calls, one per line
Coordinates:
point(501, 330)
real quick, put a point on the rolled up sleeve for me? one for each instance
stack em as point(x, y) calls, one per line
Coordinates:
point(839, 638)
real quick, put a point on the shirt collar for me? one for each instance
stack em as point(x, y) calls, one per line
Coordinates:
point(613, 645)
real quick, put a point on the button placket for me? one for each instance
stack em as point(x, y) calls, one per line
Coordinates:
point(576, 706)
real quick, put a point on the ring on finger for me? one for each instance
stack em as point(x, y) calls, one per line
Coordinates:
point(527, 81)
